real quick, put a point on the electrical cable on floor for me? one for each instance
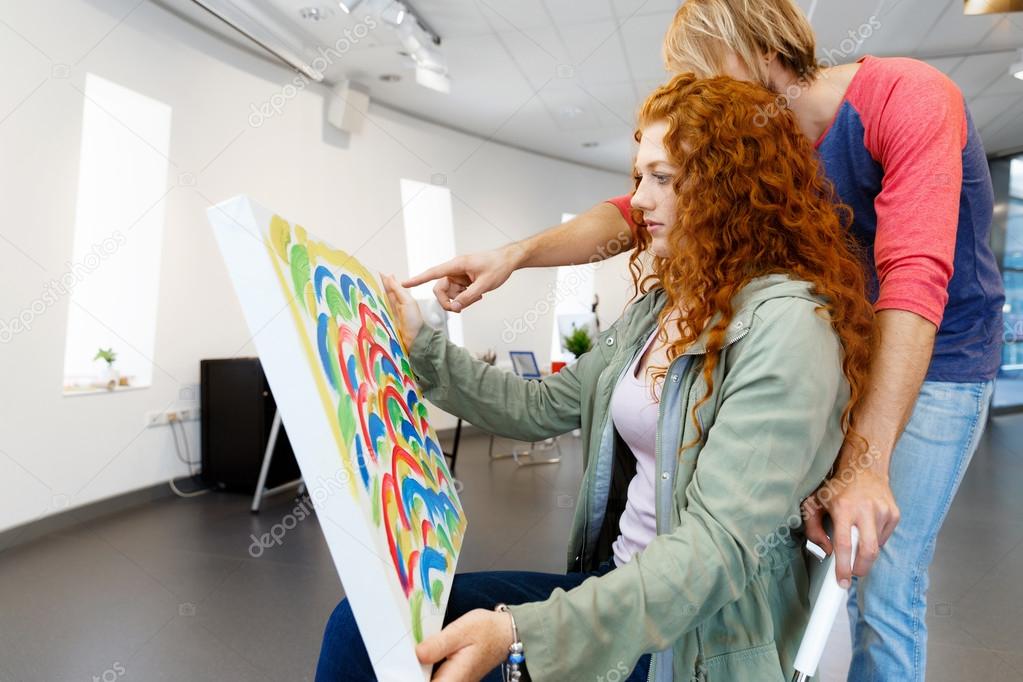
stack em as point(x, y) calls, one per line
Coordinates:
point(187, 459)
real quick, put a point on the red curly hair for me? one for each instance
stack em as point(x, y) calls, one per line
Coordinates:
point(752, 201)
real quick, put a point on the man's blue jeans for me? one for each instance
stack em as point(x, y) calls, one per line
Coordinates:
point(888, 608)
point(343, 656)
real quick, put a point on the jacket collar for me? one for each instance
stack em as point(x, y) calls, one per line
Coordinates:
point(746, 302)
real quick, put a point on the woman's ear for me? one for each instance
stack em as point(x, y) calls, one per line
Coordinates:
point(775, 71)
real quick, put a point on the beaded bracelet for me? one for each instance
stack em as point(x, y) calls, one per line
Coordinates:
point(511, 671)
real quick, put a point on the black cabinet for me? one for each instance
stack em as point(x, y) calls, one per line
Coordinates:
point(237, 414)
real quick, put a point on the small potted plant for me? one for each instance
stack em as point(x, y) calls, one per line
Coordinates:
point(578, 342)
point(109, 376)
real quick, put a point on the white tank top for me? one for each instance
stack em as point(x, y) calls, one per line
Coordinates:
point(634, 411)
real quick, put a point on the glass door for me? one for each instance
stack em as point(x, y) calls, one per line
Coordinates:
point(1007, 240)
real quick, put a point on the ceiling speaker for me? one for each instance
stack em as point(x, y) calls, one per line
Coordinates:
point(347, 104)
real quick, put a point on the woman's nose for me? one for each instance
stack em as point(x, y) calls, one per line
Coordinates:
point(641, 199)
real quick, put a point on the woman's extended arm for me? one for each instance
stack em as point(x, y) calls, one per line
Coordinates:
point(599, 233)
point(771, 443)
point(488, 397)
point(493, 399)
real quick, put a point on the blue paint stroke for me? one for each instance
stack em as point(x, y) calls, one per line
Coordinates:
point(322, 329)
point(321, 273)
point(430, 560)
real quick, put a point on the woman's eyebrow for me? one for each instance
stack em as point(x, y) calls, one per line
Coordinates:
point(651, 165)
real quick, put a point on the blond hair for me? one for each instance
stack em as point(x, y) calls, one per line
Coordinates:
point(704, 30)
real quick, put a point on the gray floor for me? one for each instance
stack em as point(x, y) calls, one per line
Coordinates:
point(170, 591)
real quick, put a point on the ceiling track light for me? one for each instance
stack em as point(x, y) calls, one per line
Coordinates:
point(1017, 67)
point(249, 19)
point(418, 39)
point(396, 13)
point(349, 6)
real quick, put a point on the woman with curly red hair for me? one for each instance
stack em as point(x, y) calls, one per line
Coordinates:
point(709, 411)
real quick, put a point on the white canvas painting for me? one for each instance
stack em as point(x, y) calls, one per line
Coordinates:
point(358, 424)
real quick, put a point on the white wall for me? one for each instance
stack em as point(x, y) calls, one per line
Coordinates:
point(60, 452)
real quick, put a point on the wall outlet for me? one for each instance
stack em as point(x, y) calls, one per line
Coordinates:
point(164, 417)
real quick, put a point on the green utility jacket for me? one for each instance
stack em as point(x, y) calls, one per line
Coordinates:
point(721, 592)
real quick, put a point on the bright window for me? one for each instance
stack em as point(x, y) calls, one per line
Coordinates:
point(114, 272)
point(429, 241)
point(573, 303)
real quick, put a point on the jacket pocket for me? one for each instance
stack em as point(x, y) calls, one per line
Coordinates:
point(756, 664)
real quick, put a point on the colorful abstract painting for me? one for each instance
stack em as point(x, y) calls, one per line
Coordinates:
point(334, 338)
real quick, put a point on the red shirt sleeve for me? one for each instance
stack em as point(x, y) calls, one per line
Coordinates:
point(917, 133)
point(624, 204)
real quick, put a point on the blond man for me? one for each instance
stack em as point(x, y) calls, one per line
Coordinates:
point(897, 141)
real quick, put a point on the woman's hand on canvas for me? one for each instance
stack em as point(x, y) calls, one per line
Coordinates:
point(410, 318)
point(473, 645)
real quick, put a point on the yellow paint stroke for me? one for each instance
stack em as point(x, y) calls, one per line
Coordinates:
point(301, 322)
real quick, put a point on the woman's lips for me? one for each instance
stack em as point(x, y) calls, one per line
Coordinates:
point(653, 227)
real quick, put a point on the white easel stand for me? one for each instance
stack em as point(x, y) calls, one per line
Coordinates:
point(550, 444)
point(268, 455)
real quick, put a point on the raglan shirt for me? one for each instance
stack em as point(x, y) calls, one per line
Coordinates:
point(904, 154)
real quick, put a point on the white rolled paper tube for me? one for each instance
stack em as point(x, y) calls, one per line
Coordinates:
point(822, 618)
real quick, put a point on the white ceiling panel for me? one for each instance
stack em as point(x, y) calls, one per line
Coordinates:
point(573, 12)
point(845, 29)
point(946, 64)
point(1006, 35)
point(1004, 83)
point(977, 72)
point(538, 52)
point(645, 55)
point(1008, 136)
point(902, 24)
point(615, 105)
point(628, 8)
point(597, 52)
point(563, 105)
point(956, 32)
point(582, 41)
point(518, 15)
point(986, 109)
point(504, 58)
point(1002, 121)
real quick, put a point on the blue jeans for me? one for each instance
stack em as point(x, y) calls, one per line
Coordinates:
point(343, 656)
point(888, 608)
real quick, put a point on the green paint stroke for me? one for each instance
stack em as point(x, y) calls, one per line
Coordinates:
point(376, 500)
point(346, 418)
point(437, 590)
point(337, 305)
point(417, 615)
point(395, 412)
point(300, 270)
point(442, 534)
